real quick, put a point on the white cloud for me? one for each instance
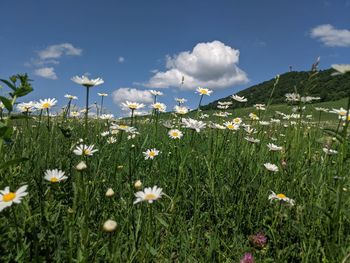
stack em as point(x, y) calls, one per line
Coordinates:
point(123, 94)
point(56, 51)
point(331, 36)
point(121, 59)
point(212, 65)
point(48, 73)
point(51, 56)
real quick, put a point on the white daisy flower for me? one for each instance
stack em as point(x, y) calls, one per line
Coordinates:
point(7, 198)
point(181, 110)
point(239, 98)
point(281, 198)
point(293, 97)
point(341, 112)
point(85, 81)
point(204, 116)
point(271, 167)
point(253, 116)
point(107, 117)
point(55, 176)
point(75, 114)
point(237, 121)
point(46, 104)
point(341, 69)
point(161, 107)
point(149, 195)
point(175, 134)
point(193, 124)
point(222, 114)
point(156, 93)
point(84, 150)
point(329, 151)
point(180, 100)
point(27, 107)
point(252, 140)
point(104, 134)
point(231, 125)
point(203, 91)
point(70, 97)
point(264, 123)
point(151, 153)
point(260, 106)
point(273, 147)
point(133, 105)
point(111, 140)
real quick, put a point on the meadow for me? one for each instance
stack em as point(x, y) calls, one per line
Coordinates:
point(262, 187)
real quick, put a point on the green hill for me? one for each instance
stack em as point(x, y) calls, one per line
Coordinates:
point(306, 83)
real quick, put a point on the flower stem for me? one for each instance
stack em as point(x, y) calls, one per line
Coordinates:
point(87, 109)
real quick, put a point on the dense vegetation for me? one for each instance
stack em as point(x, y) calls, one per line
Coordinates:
point(323, 85)
point(276, 190)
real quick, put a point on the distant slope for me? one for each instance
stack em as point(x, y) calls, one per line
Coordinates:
point(328, 87)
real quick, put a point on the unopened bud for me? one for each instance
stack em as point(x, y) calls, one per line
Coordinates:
point(138, 184)
point(109, 226)
point(109, 192)
point(81, 166)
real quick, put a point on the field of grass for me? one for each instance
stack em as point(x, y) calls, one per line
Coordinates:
point(214, 205)
point(310, 109)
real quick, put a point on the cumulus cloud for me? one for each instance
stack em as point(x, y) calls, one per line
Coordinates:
point(56, 51)
point(121, 60)
point(135, 95)
point(47, 72)
point(211, 64)
point(331, 36)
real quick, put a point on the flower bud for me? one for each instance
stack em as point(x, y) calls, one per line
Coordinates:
point(109, 192)
point(81, 166)
point(109, 226)
point(138, 184)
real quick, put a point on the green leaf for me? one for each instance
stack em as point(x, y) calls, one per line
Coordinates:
point(22, 91)
point(7, 103)
point(3, 130)
point(13, 162)
point(151, 249)
point(9, 84)
point(161, 220)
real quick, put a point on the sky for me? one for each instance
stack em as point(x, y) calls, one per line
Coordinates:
point(134, 46)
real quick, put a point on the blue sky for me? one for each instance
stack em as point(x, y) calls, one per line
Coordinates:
point(127, 44)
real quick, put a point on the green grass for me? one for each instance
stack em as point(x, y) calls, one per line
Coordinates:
point(216, 190)
point(310, 109)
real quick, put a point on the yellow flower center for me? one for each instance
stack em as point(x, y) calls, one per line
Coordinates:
point(46, 105)
point(8, 197)
point(342, 113)
point(152, 154)
point(86, 152)
point(150, 196)
point(54, 180)
point(175, 134)
point(230, 126)
point(236, 120)
point(132, 106)
point(123, 126)
point(203, 91)
point(281, 196)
